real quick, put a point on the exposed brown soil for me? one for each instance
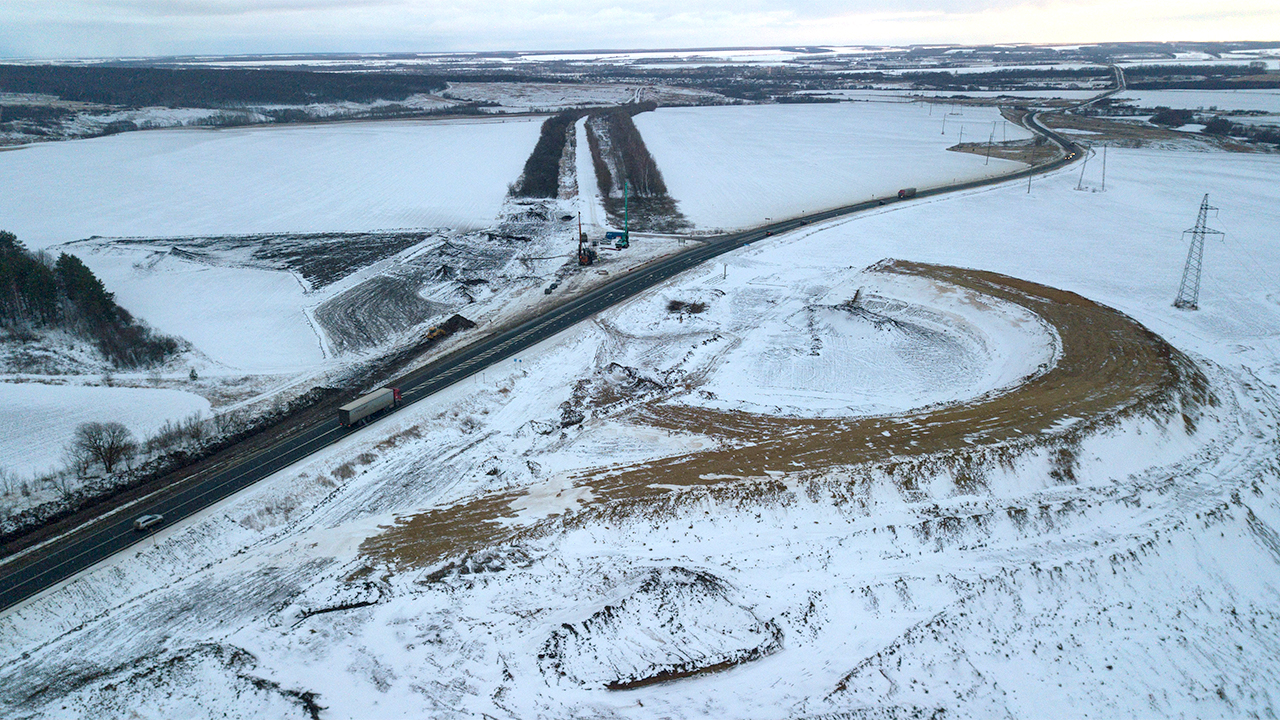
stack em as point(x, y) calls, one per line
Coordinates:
point(1110, 367)
point(1025, 151)
point(1003, 101)
point(1132, 134)
point(670, 676)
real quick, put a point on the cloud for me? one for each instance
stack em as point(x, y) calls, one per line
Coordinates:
point(87, 28)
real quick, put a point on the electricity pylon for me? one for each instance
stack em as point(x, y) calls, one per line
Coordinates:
point(1189, 290)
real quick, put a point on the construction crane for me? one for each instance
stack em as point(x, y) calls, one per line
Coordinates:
point(622, 240)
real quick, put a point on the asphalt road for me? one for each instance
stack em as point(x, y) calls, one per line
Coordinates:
point(45, 566)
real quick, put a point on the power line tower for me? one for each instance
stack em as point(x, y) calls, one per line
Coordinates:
point(1189, 290)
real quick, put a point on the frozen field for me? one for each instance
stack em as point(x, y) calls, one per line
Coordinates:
point(334, 177)
point(1040, 94)
point(245, 320)
point(1091, 584)
point(550, 97)
point(51, 413)
point(730, 167)
point(1265, 100)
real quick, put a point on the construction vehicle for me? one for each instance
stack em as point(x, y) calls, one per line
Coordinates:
point(620, 239)
point(366, 406)
point(586, 254)
point(449, 327)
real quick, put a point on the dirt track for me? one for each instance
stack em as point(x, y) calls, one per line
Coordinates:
point(1110, 367)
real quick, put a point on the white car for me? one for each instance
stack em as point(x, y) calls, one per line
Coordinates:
point(147, 521)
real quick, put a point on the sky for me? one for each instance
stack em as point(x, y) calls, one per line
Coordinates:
point(115, 28)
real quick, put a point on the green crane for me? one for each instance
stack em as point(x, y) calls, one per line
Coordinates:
point(625, 240)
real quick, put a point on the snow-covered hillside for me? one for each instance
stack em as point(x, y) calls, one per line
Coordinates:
point(1076, 571)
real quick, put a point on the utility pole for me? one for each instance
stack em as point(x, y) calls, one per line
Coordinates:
point(1080, 183)
point(1189, 290)
point(990, 140)
point(944, 124)
point(626, 212)
point(1104, 167)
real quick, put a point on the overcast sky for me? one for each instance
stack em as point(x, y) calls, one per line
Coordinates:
point(107, 28)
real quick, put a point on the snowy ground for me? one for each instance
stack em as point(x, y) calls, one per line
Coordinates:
point(544, 97)
point(51, 413)
point(734, 167)
point(1266, 100)
point(271, 314)
point(907, 589)
point(330, 178)
point(1049, 94)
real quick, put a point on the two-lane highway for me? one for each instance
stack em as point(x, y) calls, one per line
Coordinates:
point(34, 571)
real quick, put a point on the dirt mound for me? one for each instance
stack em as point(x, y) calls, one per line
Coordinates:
point(676, 624)
point(1110, 368)
point(172, 686)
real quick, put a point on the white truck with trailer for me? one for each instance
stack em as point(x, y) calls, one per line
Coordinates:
point(363, 407)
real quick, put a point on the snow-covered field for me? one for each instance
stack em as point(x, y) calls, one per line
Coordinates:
point(986, 590)
point(545, 97)
point(810, 357)
point(735, 166)
point(333, 177)
point(1265, 100)
point(245, 320)
point(1045, 94)
point(32, 410)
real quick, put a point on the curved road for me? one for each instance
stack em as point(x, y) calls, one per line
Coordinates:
point(43, 567)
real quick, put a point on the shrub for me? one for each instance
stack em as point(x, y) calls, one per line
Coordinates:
point(1218, 126)
point(1172, 118)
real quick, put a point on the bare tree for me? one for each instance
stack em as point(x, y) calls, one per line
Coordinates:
point(230, 421)
point(195, 427)
point(78, 458)
point(63, 483)
point(108, 443)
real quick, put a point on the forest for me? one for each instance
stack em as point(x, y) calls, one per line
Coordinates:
point(38, 292)
point(209, 88)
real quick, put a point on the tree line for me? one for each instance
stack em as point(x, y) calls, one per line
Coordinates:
point(39, 292)
point(626, 148)
point(541, 175)
point(210, 88)
point(612, 134)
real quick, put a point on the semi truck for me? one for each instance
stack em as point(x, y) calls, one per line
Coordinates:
point(363, 407)
point(905, 193)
